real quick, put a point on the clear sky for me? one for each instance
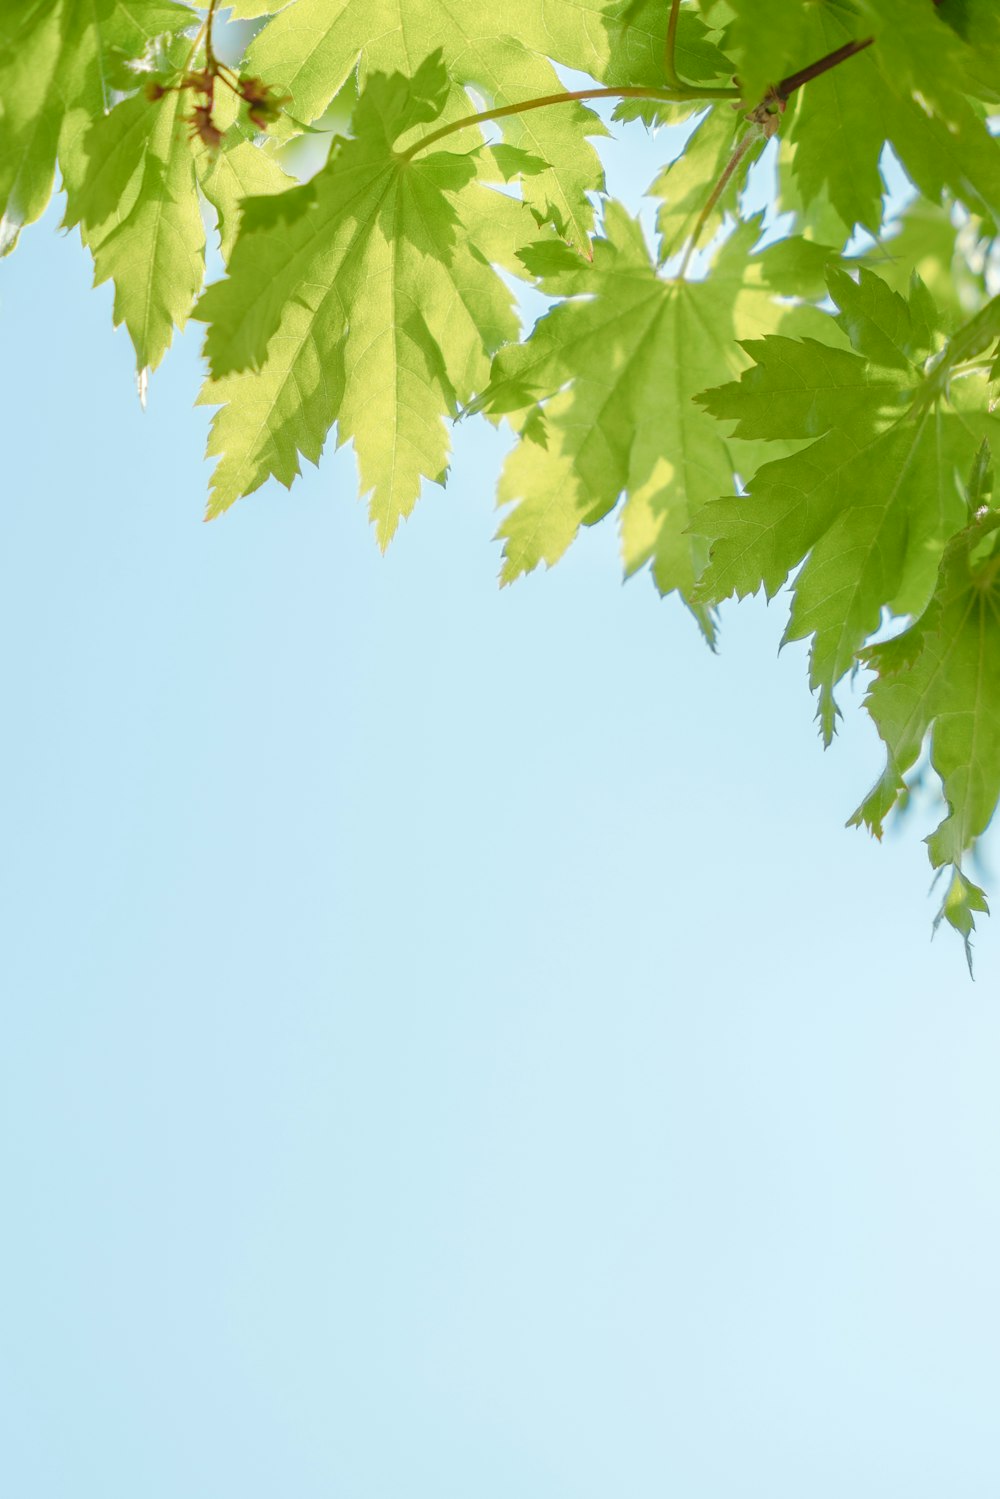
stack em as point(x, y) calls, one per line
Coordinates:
point(452, 1046)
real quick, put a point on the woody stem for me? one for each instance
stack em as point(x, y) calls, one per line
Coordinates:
point(794, 81)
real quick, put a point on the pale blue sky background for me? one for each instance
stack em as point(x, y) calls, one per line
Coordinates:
point(452, 1046)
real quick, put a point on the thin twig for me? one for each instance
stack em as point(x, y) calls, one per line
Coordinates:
point(209, 21)
point(742, 147)
point(195, 45)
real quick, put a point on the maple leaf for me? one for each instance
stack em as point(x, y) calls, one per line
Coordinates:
point(505, 53)
point(357, 299)
point(144, 226)
point(940, 679)
point(242, 167)
point(940, 56)
point(372, 300)
point(949, 258)
point(55, 59)
point(869, 504)
point(767, 41)
point(603, 395)
point(846, 117)
point(138, 208)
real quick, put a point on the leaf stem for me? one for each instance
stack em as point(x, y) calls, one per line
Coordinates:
point(670, 52)
point(210, 58)
point(676, 95)
point(195, 45)
point(742, 147)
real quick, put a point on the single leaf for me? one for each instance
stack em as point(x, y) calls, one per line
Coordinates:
point(139, 214)
point(356, 299)
point(870, 504)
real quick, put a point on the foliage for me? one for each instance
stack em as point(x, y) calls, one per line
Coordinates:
point(806, 396)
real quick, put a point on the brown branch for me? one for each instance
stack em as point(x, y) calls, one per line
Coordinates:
point(794, 81)
point(831, 60)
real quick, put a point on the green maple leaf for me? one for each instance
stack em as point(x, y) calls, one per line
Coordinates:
point(602, 392)
point(767, 42)
point(139, 214)
point(870, 503)
point(941, 679)
point(939, 56)
point(845, 118)
point(503, 52)
point(948, 259)
point(358, 299)
point(55, 59)
point(138, 207)
point(977, 22)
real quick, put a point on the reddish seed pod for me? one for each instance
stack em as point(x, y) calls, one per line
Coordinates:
point(265, 104)
point(204, 127)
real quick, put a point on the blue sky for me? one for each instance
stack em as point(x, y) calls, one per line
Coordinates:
point(452, 1044)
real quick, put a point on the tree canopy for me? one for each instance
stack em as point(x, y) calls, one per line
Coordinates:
point(804, 398)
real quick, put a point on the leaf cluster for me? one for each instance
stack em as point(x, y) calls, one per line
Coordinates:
point(802, 401)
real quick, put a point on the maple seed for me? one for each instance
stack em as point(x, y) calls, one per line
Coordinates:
point(265, 104)
point(203, 126)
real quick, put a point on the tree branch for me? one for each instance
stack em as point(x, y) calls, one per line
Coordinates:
point(795, 81)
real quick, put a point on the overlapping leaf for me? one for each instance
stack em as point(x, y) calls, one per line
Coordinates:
point(504, 52)
point(941, 678)
point(138, 207)
point(602, 392)
point(357, 299)
point(767, 42)
point(685, 184)
point(915, 89)
point(948, 253)
point(240, 168)
point(369, 300)
point(870, 503)
point(151, 240)
point(57, 61)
